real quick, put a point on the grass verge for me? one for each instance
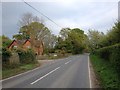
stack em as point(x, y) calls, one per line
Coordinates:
point(14, 71)
point(107, 75)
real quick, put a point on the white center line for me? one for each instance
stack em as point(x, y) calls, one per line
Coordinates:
point(68, 62)
point(45, 75)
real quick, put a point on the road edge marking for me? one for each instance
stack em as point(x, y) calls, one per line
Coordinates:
point(19, 74)
point(45, 75)
point(24, 72)
point(89, 72)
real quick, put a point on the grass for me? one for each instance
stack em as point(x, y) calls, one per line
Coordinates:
point(107, 75)
point(14, 71)
point(8, 72)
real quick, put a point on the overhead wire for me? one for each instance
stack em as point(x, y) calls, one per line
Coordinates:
point(41, 13)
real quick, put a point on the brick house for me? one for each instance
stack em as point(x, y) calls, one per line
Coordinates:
point(39, 47)
point(26, 44)
point(13, 45)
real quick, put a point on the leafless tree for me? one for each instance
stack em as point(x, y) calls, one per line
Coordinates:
point(35, 28)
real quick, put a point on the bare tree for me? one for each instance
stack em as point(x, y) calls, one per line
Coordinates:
point(33, 28)
point(28, 18)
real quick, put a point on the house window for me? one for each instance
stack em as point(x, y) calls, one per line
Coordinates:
point(15, 46)
point(28, 46)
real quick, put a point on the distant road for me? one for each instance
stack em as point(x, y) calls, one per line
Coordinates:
point(71, 72)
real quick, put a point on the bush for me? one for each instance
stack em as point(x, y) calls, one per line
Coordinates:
point(77, 50)
point(103, 53)
point(115, 57)
point(26, 56)
point(106, 73)
point(112, 54)
point(5, 55)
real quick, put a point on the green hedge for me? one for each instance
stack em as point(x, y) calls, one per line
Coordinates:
point(115, 57)
point(5, 55)
point(104, 53)
point(112, 54)
point(106, 73)
point(26, 56)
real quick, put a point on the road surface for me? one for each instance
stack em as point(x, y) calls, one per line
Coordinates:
point(71, 72)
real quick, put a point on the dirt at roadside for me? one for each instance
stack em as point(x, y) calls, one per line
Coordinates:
point(95, 82)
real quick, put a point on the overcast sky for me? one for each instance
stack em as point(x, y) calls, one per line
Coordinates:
point(72, 13)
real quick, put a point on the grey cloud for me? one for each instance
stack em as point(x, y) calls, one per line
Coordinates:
point(84, 15)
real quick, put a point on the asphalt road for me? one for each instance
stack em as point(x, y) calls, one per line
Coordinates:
point(71, 72)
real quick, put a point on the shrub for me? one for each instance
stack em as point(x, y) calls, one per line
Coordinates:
point(115, 57)
point(106, 73)
point(112, 54)
point(77, 50)
point(26, 56)
point(5, 55)
point(103, 53)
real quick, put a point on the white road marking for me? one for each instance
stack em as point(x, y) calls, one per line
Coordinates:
point(68, 62)
point(22, 73)
point(89, 73)
point(19, 74)
point(45, 75)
